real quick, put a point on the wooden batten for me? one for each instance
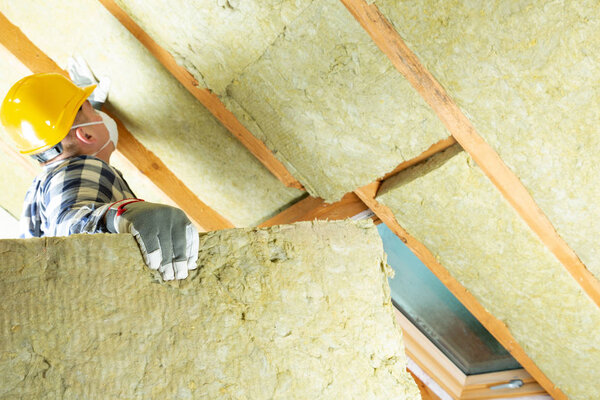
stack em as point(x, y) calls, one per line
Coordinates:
point(144, 160)
point(210, 100)
point(406, 62)
point(496, 327)
point(433, 149)
point(311, 208)
point(18, 157)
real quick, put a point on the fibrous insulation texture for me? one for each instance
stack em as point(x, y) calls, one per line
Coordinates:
point(290, 312)
point(527, 74)
point(320, 94)
point(214, 39)
point(450, 206)
point(155, 107)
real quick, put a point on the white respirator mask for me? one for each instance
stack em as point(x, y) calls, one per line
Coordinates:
point(111, 126)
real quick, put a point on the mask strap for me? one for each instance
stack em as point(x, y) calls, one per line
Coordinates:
point(87, 124)
point(102, 148)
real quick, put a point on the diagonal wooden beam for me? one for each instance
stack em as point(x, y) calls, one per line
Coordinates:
point(18, 158)
point(311, 208)
point(210, 100)
point(496, 327)
point(406, 62)
point(147, 162)
point(433, 149)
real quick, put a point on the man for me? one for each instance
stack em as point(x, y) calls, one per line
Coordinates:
point(51, 119)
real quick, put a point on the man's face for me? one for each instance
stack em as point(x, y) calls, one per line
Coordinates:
point(99, 132)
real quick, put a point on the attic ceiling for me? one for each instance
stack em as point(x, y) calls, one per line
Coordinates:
point(331, 100)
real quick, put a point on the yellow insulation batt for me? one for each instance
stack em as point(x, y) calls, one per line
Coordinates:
point(527, 73)
point(155, 107)
point(450, 206)
point(320, 94)
point(214, 39)
point(291, 312)
point(331, 104)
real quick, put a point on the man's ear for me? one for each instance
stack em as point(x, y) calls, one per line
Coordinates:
point(83, 136)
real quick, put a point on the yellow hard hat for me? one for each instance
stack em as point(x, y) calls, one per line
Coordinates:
point(38, 111)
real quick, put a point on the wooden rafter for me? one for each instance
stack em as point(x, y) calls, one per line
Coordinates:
point(406, 62)
point(433, 149)
point(210, 100)
point(496, 327)
point(147, 162)
point(311, 208)
point(18, 158)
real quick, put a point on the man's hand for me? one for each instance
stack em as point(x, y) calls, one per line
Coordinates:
point(168, 240)
point(81, 75)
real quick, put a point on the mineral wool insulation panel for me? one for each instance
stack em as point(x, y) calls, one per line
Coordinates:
point(322, 96)
point(155, 107)
point(527, 73)
point(291, 312)
point(214, 39)
point(450, 206)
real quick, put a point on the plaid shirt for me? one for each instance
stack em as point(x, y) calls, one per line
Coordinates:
point(71, 196)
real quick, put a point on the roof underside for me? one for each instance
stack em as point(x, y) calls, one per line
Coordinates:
point(341, 105)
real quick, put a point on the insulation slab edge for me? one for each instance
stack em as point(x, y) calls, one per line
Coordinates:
point(450, 206)
point(527, 75)
point(290, 312)
point(159, 112)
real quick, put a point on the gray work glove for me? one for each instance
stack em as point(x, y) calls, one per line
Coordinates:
point(168, 240)
point(82, 76)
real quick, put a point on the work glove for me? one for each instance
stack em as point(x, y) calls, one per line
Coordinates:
point(168, 240)
point(81, 75)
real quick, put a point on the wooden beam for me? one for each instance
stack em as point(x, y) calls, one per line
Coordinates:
point(433, 149)
point(147, 162)
point(18, 158)
point(210, 100)
point(496, 327)
point(312, 208)
point(407, 63)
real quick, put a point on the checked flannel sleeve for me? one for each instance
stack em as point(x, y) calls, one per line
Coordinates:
point(71, 196)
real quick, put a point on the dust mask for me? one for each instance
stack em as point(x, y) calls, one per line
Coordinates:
point(111, 126)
